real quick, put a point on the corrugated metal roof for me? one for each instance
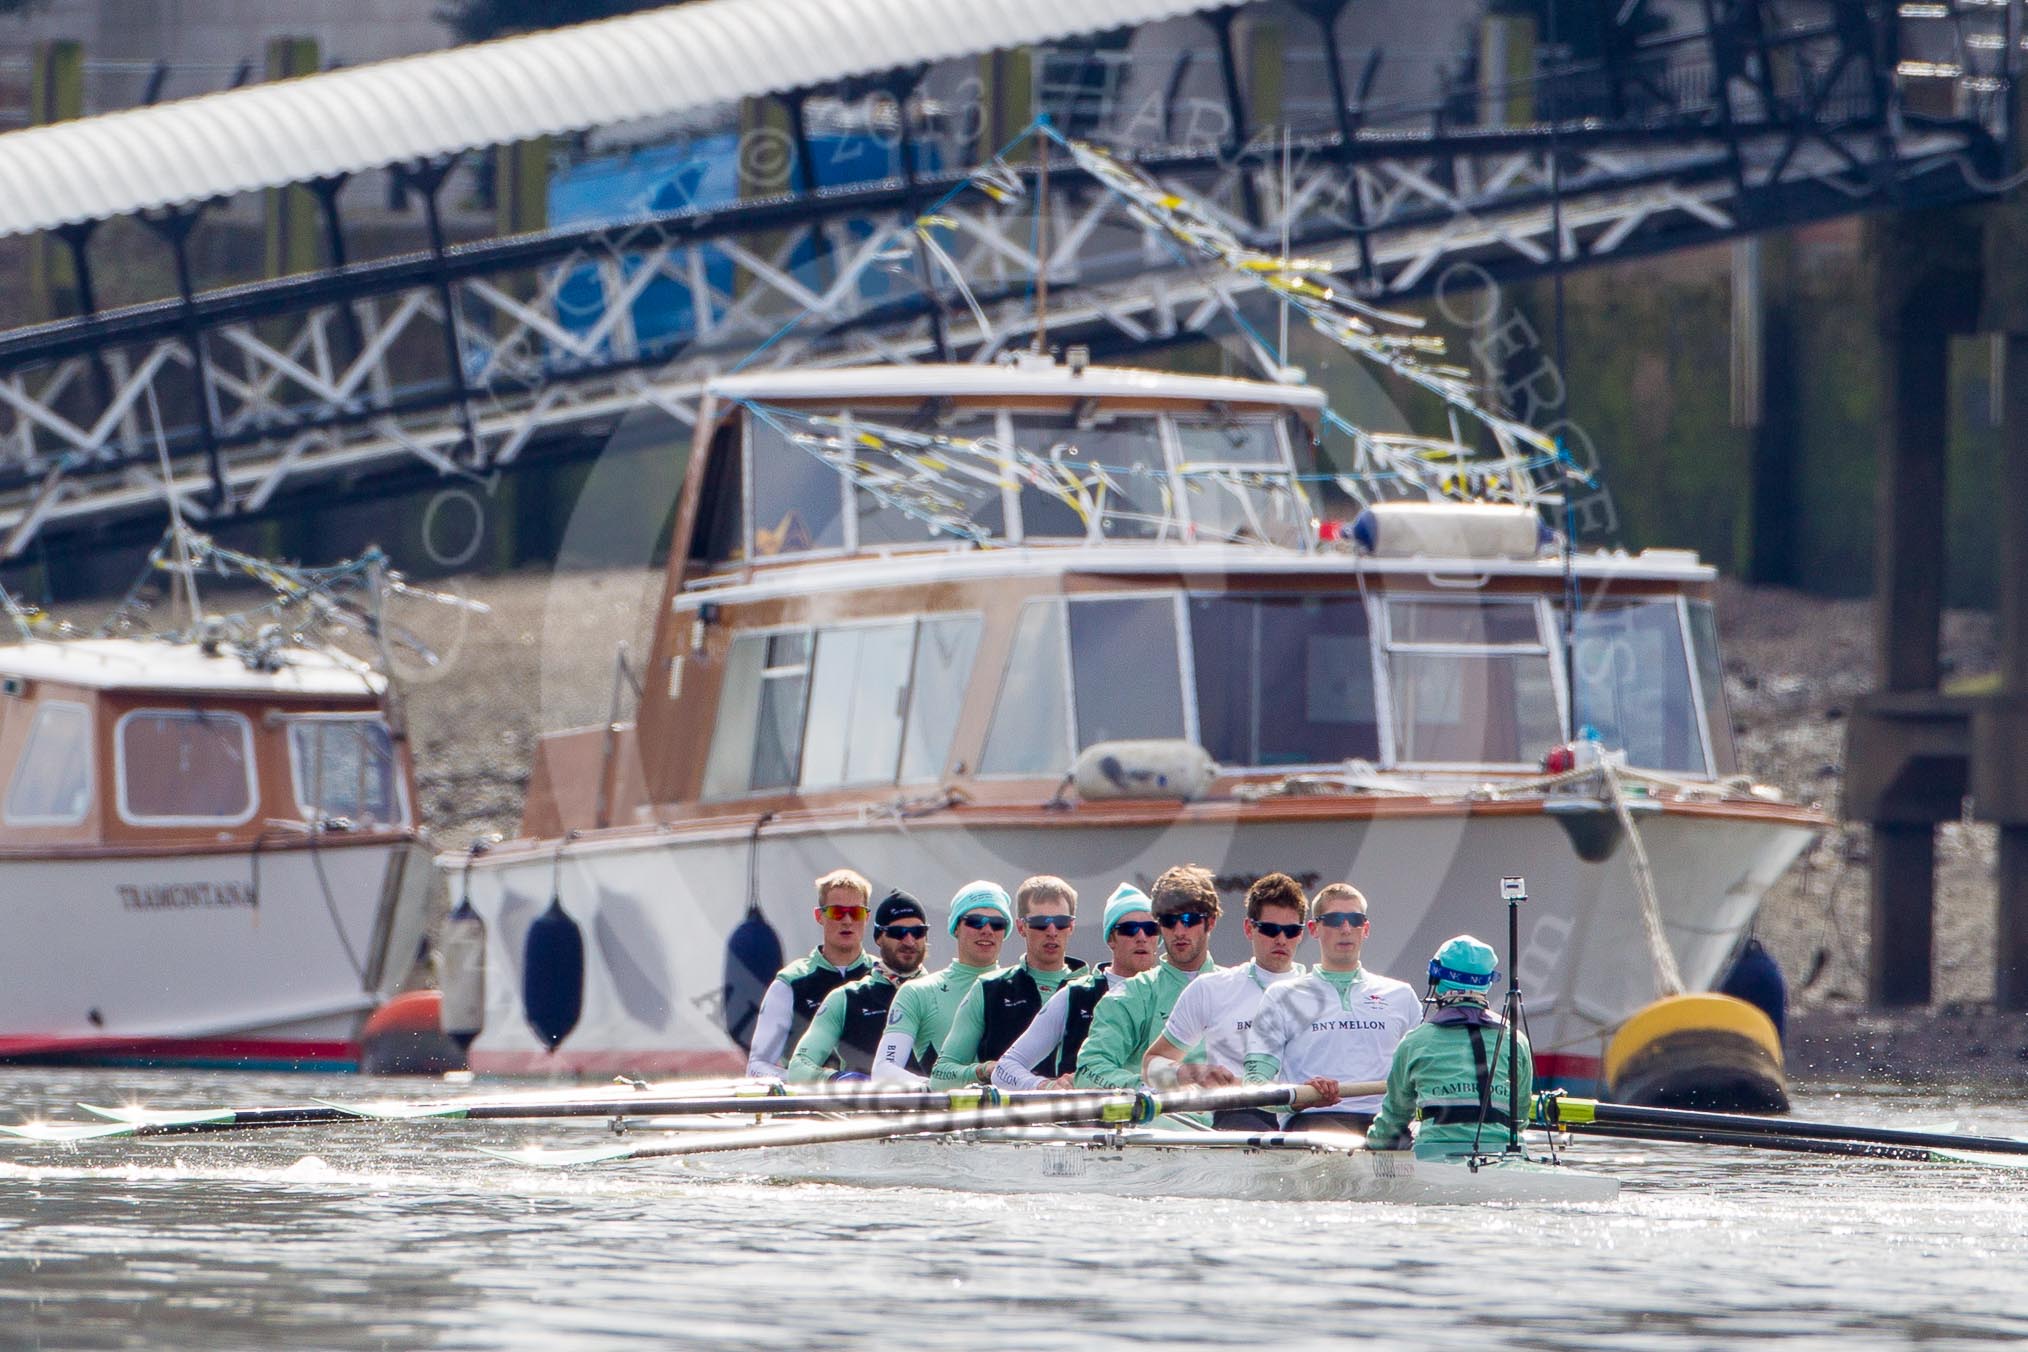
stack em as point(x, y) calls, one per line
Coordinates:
point(497, 93)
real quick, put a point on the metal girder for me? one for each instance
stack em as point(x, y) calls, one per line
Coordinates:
point(464, 357)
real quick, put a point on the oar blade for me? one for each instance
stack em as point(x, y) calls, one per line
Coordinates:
point(58, 1133)
point(539, 1157)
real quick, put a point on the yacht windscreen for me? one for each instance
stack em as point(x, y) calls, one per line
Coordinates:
point(938, 474)
point(1284, 680)
point(1086, 475)
point(1236, 484)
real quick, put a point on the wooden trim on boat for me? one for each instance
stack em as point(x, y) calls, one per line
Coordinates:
point(1126, 814)
point(273, 841)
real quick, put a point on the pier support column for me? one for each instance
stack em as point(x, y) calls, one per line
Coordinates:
point(1908, 591)
point(289, 214)
point(55, 94)
point(2000, 779)
point(1905, 765)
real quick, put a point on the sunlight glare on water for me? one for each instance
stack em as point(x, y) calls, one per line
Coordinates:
point(373, 1236)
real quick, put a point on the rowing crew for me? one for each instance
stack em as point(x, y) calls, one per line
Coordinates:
point(1176, 1018)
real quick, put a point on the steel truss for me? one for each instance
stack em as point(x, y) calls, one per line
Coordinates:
point(464, 358)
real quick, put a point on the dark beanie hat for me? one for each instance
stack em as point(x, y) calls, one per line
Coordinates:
point(898, 905)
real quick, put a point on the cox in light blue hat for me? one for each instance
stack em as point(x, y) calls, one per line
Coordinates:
point(981, 896)
point(1125, 900)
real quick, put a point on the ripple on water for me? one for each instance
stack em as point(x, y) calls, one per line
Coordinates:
point(368, 1236)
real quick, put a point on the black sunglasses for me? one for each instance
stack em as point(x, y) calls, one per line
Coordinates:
point(1050, 922)
point(991, 922)
point(1274, 931)
point(1339, 919)
point(1187, 919)
point(1139, 929)
point(901, 931)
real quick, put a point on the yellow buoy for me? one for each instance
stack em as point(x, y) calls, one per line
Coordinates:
point(1698, 1051)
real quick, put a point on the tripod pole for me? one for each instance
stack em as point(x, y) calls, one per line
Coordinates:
point(1514, 890)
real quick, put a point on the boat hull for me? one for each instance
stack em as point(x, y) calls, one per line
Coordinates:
point(207, 958)
point(1228, 1166)
point(655, 910)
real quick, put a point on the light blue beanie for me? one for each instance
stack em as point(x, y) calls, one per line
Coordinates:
point(1125, 900)
point(981, 896)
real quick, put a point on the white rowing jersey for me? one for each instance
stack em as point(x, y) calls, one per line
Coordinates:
point(1340, 1025)
point(1218, 1008)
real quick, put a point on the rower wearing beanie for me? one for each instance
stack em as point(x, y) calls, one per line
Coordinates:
point(1127, 1022)
point(1455, 1071)
point(1045, 1056)
point(846, 1032)
point(999, 1008)
point(981, 915)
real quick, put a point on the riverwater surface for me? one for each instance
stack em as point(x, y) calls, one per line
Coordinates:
point(373, 1236)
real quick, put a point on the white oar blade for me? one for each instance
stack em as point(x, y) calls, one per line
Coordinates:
point(537, 1157)
point(131, 1115)
point(61, 1134)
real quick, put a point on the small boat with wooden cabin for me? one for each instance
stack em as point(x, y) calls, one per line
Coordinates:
point(208, 853)
point(946, 622)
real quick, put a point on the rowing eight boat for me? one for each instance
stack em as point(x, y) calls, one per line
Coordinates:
point(1231, 1165)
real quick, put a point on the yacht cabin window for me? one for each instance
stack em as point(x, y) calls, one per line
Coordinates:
point(1121, 657)
point(944, 651)
point(1126, 670)
point(1632, 681)
point(852, 704)
point(1030, 733)
point(185, 767)
point(858, 694)
point(344, 766)
point(1284, 680)
point(1470, 681)
point(52, 784)
point(1711, 688)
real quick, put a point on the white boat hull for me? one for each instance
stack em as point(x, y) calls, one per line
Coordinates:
point(1211, 1165)
point(655, 910)
point(213, 958)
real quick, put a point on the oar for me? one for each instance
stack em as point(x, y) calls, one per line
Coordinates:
point(1797, 1144)
point(1058, 1106)
point(125, 1122)
point(606, 1104)
point(1578, 1112)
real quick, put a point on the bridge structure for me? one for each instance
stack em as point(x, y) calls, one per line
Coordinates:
point(461, 359)
point(1664, 124)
